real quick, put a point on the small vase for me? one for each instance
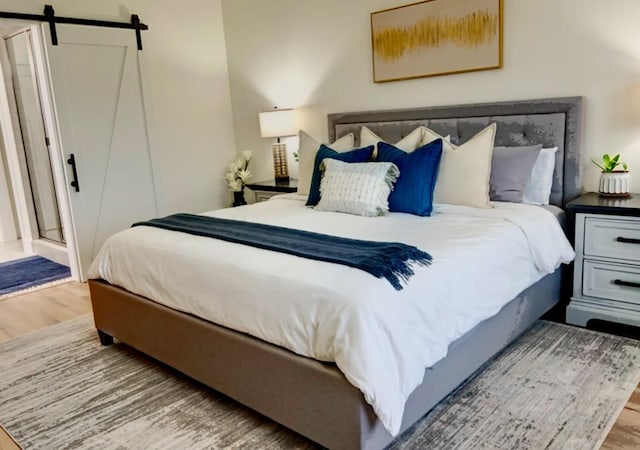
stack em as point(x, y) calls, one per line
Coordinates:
point(238, 198)
point(615, 184)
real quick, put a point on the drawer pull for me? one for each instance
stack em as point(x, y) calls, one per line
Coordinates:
point(626, 283)
point(628, 240)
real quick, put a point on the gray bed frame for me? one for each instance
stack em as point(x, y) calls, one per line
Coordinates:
point(314, 398)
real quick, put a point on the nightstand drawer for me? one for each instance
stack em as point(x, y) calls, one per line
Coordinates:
point(263, 196)
point(264, 190)
point(612, 238)
point(611, 281)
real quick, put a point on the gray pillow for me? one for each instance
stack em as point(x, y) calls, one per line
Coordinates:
point(510, 170)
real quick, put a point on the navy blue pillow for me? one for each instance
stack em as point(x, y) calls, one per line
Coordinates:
point(355, 156)
point(413, 192)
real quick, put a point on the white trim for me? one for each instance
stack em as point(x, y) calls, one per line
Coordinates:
point(51, 250)
point(57, 154)
point(8, 230)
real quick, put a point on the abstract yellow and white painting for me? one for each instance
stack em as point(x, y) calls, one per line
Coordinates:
point(436, 37)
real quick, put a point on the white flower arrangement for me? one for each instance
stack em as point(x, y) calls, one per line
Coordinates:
point(237, 174)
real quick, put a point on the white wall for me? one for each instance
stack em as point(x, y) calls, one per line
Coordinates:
point(315, 55)
point(192, 134)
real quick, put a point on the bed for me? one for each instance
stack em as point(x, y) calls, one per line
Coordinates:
point(313, 397)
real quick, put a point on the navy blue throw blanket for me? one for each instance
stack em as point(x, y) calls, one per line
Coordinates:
point(390, 260)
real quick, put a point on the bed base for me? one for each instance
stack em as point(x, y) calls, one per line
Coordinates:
point(305, 395)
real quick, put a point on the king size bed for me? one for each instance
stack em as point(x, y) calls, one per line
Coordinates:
point(156, 311)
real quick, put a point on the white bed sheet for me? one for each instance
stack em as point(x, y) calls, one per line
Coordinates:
point(380, 338)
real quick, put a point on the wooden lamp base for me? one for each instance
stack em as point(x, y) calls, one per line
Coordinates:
point(280, 168)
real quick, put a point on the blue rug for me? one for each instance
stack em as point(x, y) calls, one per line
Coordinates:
point(29, 272)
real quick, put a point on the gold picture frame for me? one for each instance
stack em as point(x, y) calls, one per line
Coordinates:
point(436, 37)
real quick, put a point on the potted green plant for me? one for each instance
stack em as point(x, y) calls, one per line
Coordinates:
point(613, 181)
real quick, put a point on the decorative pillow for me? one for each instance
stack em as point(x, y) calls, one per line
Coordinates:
point(463, 177)
point(408, 143)
point(538, 188)
point(307, 156)
point(357, 155)
point(413, 192)
point(356, 188)
point(510, 171)
point(429, 135)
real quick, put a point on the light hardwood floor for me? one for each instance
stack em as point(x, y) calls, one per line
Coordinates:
point(6, 441)
point(29, 312)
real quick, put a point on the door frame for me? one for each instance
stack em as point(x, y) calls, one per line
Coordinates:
point(57, 157)
point(58, 162)
point(13, 149)
point(9, 231)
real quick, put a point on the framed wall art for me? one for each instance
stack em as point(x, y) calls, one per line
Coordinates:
point(436, 37)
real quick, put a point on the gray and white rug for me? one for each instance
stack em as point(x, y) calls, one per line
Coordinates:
point(556, 387)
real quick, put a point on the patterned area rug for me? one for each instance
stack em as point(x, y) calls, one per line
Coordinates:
point(22, 274)
point(557, 387)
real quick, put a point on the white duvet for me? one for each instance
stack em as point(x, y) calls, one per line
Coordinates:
point(380, 338)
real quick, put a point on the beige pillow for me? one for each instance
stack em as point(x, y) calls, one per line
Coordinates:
point(408, 143)
point(463, 177)
point(307, 156)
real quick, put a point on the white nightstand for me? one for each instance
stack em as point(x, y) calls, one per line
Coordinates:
point(264, 190)
point(606, 276)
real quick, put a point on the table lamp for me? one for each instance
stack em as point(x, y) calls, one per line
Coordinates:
point(276, 124)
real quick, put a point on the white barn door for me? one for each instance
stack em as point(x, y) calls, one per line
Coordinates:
point(99, 100)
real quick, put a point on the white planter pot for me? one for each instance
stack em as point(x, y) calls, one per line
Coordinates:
point(615, 184)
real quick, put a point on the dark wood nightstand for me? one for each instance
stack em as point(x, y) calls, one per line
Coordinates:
point(606, 275)
point(264, 190)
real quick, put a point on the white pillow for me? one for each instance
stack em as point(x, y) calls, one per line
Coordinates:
point(357, 188)
point(538, 188)
point(429, 136)
point(307, 156)
point(408, 143)
point(463, 177)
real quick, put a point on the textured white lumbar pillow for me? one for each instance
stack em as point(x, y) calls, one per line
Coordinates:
point(463, 177)
point(357, 188)
point(307, 156)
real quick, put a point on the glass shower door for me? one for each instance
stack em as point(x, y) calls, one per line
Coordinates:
point(34, 137)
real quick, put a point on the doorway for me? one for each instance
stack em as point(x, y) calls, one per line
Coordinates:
point(28, 174)
point(35, 138)
point(94, 101)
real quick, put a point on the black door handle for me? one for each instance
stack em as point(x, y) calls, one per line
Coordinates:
point(72, 162)
point(626, 283)
point(628, 240)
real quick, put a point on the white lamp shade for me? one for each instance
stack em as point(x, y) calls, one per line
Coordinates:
point(277, 123)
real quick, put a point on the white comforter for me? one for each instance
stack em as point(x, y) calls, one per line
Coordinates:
point(380, 338)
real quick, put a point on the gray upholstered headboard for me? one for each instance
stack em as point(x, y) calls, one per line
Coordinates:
point(554, 122)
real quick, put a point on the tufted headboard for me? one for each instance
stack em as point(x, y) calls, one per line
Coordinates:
point(553, 122)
